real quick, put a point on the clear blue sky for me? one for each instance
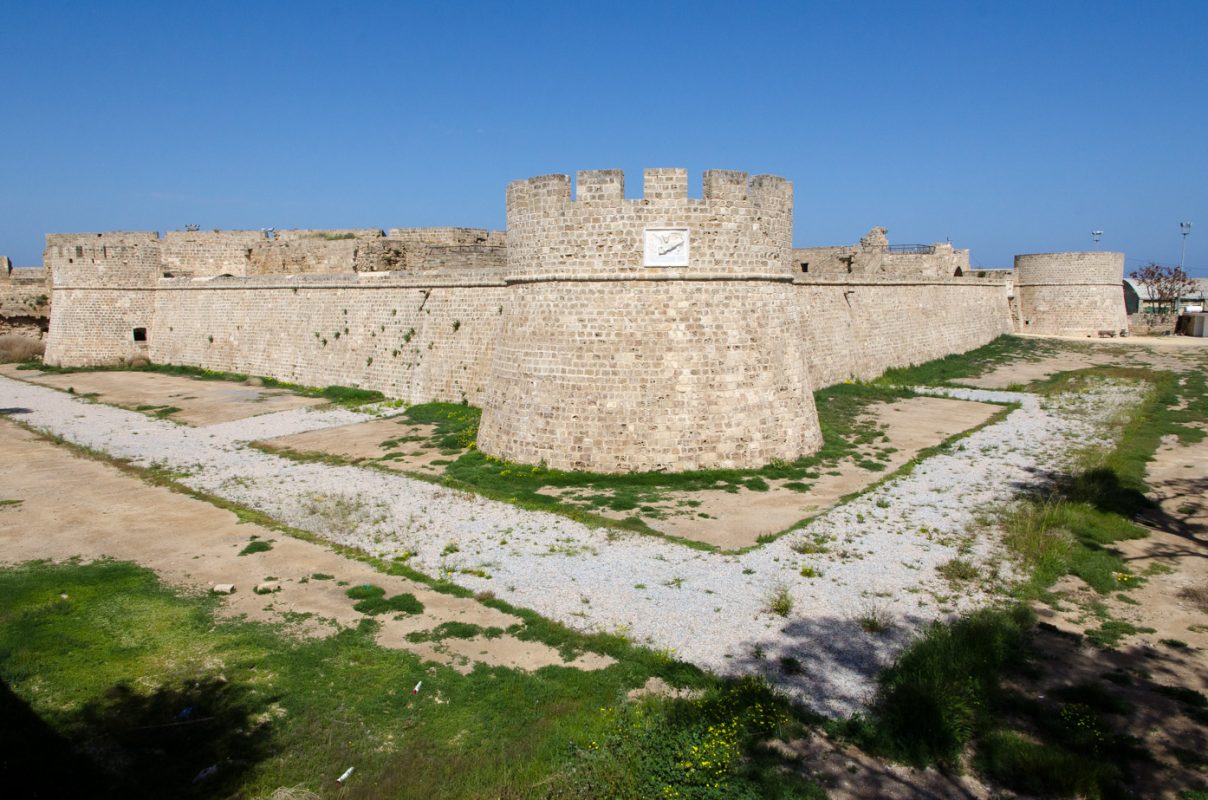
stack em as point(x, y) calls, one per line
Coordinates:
point(1010, 127)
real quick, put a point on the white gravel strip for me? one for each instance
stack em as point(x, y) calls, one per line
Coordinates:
point(710, 609)
point(296, 420)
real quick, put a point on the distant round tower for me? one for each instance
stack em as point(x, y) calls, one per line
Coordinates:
point(1070, 294)
point(651, 334)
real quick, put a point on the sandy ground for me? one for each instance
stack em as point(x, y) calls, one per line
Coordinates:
point(200, 402)
point(911, 425)
point(364, 441)
point(1172, 559)
point(73, 506)
point(1024, 372)
point(1158, 352)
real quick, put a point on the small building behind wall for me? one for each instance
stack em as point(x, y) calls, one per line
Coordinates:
point(1194, 324)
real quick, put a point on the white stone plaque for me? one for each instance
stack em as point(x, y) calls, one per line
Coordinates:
point(666, 247)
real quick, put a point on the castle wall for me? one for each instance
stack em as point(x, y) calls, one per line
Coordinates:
point(202, 253)
point(24, 309)
point(1070, 294)
point(416, 340)
point(873, 256)
point(859, 327)
point(609, 365)
point(103, 289)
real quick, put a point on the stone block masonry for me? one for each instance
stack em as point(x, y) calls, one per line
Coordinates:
point(609, 365)
point(602, 333)
point(1071, 294)
point(419, 340)
point(103, 296)
point(860, 327)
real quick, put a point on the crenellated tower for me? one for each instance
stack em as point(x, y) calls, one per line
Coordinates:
point(651, 333)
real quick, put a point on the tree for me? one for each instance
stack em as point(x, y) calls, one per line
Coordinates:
point(1164, 285)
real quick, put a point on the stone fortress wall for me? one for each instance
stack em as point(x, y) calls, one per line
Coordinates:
point(580, 355)
point(607, 364)
point(103, 296)
point(24, 300)
point(420, 333)
point(1071, 294)
point(872, 306)
point(293, 252)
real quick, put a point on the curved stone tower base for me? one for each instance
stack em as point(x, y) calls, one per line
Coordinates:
point(609, 364)
point(657, 379)
point(1070, 294)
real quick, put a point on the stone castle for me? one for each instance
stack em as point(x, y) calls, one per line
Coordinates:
point(599, 333)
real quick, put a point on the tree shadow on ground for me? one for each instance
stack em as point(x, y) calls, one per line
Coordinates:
point(195, 740)
point(1103, 490)
point(1108, 721)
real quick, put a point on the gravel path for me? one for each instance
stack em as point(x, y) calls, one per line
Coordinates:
point(874, 557)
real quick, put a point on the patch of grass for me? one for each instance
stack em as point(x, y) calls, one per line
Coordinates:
point(1176, 644)
point(702, 748)
point(1041, 769)
point(455, 427)
point(1109, 633)
point(140, 655)
point(160, 412)
point(937, 693)
point(10, 503)
point(322, 576)
point(780, 602)
point(372, 600)
point(951, 369)
point(874, 618)
point(958, 570)
point(454, 630)
point(1095, 696)
point(1191, 697)
point(257, 546)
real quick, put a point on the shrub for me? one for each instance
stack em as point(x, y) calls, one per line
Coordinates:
point(372, 600)
point(781, 602)
point(15, 349)
point(957, 570)
point(932, 698)
point(700, 748)
point(258, 546)
point(874, 618)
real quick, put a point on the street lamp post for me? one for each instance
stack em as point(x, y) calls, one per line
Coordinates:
point(1184, 228)
point(1095, 236)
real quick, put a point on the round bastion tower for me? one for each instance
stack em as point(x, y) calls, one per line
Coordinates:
point(651, 334)
point(1071, 294)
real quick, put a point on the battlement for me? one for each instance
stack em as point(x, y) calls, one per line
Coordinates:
point(666, 185)
point(741, 227)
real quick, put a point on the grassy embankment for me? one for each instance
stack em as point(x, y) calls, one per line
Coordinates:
point(961, 690)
